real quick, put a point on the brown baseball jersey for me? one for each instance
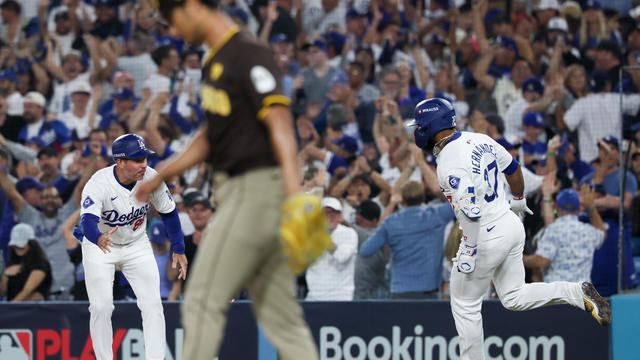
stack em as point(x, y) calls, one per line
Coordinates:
point(240, 82)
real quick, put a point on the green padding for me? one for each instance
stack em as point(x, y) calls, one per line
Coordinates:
point(625, 325)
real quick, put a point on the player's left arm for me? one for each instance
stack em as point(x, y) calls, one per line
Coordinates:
point(280, 124)
point(513, 174)
point(163, 202)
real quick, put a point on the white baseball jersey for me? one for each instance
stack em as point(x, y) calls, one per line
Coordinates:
point(468, 174)
point(105, 197)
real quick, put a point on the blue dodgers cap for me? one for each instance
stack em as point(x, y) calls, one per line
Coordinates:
point(278, 38)
point(611, 140)
point(347, 143)
point(353, 14)
point(158, 233)
point(239, 13)
point(335, 39)
point(533, 83)
point(130, 146)
point(321, 44)
point(591, 4)
point(568, 200)
point(28, 182)
point(124, 93)
point(338, 78)
point(533, 118)
point(507, 43)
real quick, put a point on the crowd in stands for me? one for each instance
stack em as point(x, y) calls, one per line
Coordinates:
point(540, 77)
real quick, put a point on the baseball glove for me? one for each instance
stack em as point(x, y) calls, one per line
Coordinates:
point(303, 231)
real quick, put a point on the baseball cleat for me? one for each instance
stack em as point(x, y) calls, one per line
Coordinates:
point(595, 304)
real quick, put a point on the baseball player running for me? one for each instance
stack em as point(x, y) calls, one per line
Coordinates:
point(114, 224)
point(493, 236)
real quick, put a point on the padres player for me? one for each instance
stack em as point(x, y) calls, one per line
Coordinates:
point(493, 236)
point(114, 225)
point(249, 140)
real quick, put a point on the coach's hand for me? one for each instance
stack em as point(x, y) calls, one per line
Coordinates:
point(146, 188)
point(104, 241)
point(182, 260)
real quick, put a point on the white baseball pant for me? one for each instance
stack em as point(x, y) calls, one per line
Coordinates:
point(139, 267)
point(499, 259)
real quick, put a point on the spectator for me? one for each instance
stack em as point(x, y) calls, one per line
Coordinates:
point(200, 212)
point(565, 251)
point(167, 59)
point(532, 91)
point(137, 60)
point(49, 164)
point(415, 235)
point(606, 180)
point(318, 74)
point(52, 133)
point(30, 189)
point(9, 91)
point(27, 276)
point(366, 92)
point(319, 16)
point(586, 114)
point(73, 68)
point(607, 58)
point(47, 223)
point(107, 23)
point(10, 31)
point(331, 277)
point(534, 150)
point(10, 125)
point(81, 117)
point(370, 273)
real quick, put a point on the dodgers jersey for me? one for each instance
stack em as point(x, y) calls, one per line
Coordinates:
point(114, 204)
point(467, 171)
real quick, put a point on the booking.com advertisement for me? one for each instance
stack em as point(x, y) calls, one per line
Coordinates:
point(354, 330)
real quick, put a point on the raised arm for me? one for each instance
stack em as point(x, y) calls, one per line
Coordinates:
point(14, 196)
point(67, 231)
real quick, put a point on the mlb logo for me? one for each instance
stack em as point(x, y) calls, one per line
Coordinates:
point(16, 344)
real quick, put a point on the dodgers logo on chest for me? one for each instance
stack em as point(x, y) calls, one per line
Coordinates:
point(113, 217)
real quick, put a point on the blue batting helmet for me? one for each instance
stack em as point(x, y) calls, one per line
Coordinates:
point(130, 146)
point(431, 117)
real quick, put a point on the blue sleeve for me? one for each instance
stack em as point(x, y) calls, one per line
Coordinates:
point(445, 213)
point(580, 169)
point(22, 135)
point(375, 242)
point(320, 123)
point(512, 167)
point(62, 133)
point(177, 118)
point(105, 108)
point(174, 230)
point(90, 226)
point(198, 109)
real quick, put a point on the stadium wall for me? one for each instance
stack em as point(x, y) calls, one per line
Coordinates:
point(345, 330)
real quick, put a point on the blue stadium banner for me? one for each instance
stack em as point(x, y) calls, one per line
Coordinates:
point(399, 330)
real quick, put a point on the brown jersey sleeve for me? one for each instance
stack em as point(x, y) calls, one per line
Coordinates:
point(261, 79)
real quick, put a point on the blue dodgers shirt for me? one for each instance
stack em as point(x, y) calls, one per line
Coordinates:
point(415, 236)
